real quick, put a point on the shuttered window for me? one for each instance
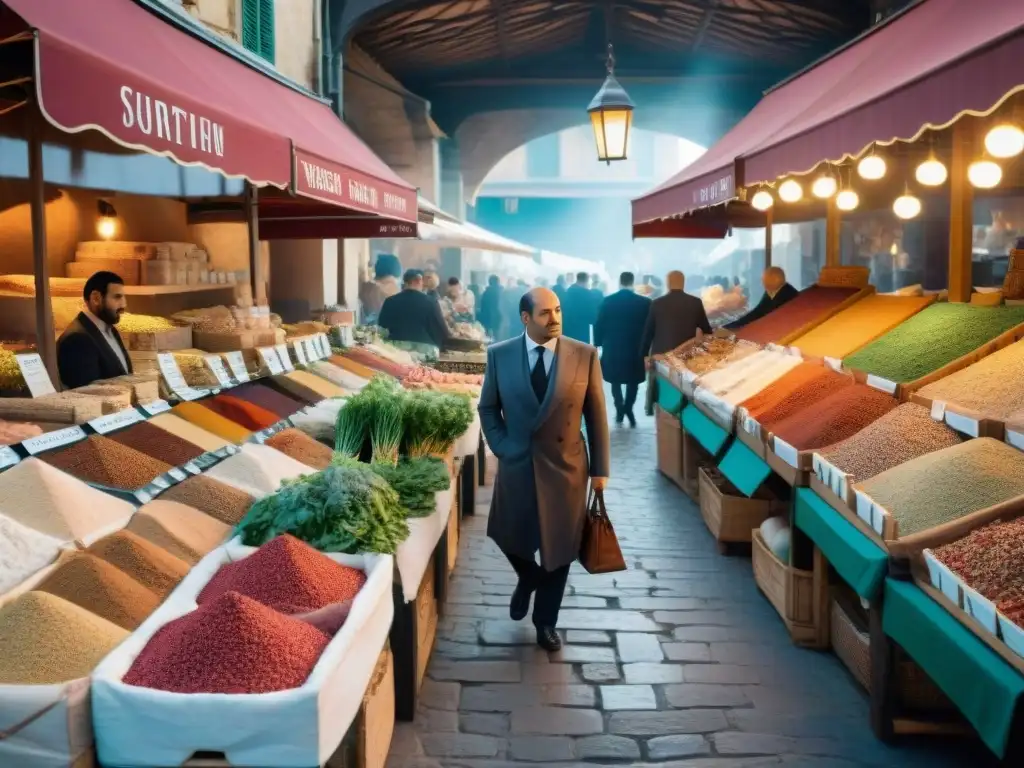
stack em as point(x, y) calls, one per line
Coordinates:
point(258, 27)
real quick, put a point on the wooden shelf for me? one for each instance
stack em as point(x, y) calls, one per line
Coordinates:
point(164, 290)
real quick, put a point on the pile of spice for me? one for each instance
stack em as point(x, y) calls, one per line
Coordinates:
point(102, 461)
point(12, 432)
point(948, 484)
point(46, 640)
point(833, 418)
point(153, 441)
point(257, 470)
point(308, 386)
point(23, 552)
point(339, 376)
point(101, 588)
point(177, 426)
point(711, 353)
point(145, 562)
point(47, 500)
point(798, 389)
point(287, 575)
point(992, 386)
point(859, 324)
point(990, 560)
point(740, 381)
point(210, 421)
point(904, 433)
point(809, 305)
point(352, 366)
point(301, 447)
point(934, 337)
point(229, 645)
point(319, 421)
point(242, 412)
point(180, 530)
point(219, 500)
point(268, 398)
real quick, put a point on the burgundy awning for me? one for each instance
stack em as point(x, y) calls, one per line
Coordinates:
point(929, 65)
point(112, 66)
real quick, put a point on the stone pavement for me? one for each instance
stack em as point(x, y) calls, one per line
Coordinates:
point(678, 661)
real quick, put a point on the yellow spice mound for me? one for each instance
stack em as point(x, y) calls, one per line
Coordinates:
point(859, 324)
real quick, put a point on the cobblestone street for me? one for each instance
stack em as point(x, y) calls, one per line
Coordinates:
point(678, 661)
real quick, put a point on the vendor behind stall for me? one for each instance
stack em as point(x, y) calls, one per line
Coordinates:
point(90, 349)
point(412, 315)
point(776, 293)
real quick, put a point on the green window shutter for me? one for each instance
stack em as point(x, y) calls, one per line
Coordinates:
point(266, 49)
point(251, 25)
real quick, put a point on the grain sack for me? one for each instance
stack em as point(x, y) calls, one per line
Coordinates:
point(859, 324)
point(181, 530)
point(257, 470)
point(47, 500)
point(23, 552)
point(945, 485)
point(836, 417)
point(992, 386)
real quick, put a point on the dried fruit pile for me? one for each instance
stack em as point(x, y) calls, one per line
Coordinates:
point(800, 388)
point(45, 640)
point(287, 575)
point(151, 440)
point(711, 353)
point(102, 461)
point(809, 305)
point(949, 484)
point(836, 417)
point(101, 588)
point(216, 499)
point(859, 324)
point(992, 386)
point(183, 531)
point(229, 645)
point(990, 560)
point(301, 447)
point(904, 433)
point(932, 338)
point(152, 567)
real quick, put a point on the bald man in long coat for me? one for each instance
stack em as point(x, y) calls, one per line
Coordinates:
point(539, 389)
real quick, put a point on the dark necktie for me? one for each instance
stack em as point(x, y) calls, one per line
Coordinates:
point(539, 377)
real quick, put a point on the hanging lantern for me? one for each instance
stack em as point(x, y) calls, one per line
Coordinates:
point(611, 115)
point(790, 191)
point(984, 174)
point(762, 200)
point(824, 187)
point(106, 221)
point(871, 168)
point(906, 206)
point(931, 173)
point(847, 200)
point(1004, 140)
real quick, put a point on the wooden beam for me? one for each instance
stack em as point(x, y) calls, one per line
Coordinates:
point(252, 217)
point(833, 229)
point(961, 214)
point(768, 219)
point(704, 25)
point(46, 342)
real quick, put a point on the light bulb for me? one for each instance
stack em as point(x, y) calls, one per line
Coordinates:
point(106, 227)
point(847, 200)
point(823, 187)
point(931, 173)
point(762, 200)
point(984, 174)
point(1004, 140)
point(790, 191)
point(871, 168)
point(906, 206)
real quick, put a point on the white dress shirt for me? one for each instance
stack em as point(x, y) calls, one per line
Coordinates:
point(107, 332)
point(549, 348)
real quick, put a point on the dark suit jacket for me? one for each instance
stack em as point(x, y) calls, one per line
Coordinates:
point(413, 316)
point(767, 304)
point(84, 356)
point(673, 319)
point(579, 311)
point(488, 310)
point(618, 331)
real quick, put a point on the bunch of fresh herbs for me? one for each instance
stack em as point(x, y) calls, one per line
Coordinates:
point(434, 421)
point(416, 480)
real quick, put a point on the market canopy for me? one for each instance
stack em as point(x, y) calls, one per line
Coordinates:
point(448, 232)
point(114, 67)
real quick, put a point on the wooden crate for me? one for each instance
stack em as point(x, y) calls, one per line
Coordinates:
point(412, 636)
point(453, 529)
point(128, 269)
point(728, 514)
point(426, 626)
point(799, 596)
point(669, 436)
point(224, 342)
point(160, 341)
point(377, 721)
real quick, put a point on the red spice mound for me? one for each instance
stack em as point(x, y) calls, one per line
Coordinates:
point(287, 575)
point(265, 396)
point(229, 645)
point(801, 387)
point(835, 418)
point(809, 304)
point(242, 412)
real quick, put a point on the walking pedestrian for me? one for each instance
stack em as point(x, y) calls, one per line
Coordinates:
point(578, 309)
point(538, 389)
point(491, 303)
point(618, 332)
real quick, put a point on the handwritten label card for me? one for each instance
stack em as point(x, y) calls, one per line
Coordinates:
point(216, 366)
point(286, 359)
point(271, 360)
point(237, 365)
point(37, 378)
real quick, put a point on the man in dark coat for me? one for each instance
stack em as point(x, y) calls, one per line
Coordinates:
point(539, 389)
point(489, 308)
point(618, 332)
point(559, 288)
point(776, 293)
point(578, 309)
point(90, 349)
point(412, 315)
point(674, 318)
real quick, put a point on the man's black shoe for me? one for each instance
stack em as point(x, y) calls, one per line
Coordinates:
point(548, 639)
point(519, 605)
point(619, 416)
point(632, 418)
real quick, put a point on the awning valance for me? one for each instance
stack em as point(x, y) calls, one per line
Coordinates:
point(456, 234)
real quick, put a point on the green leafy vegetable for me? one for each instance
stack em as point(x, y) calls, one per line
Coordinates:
point(345, 508)
point(434, 421)
point(386, 428)
point(416, 480)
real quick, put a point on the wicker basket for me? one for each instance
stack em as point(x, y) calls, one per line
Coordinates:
point(790, 591)
point(729, 515)
point(844, 277)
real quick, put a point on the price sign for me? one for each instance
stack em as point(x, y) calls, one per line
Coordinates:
point(35, 374)
point(177, 474)
point(286, 359)
point(113, 421)
point(174, 378)
point(300, 352)
point(216, 366)
point(237, 365)
point(312, 348)
point(271, 360)
point(8, 457)
point(50, 440)
point(157, 406)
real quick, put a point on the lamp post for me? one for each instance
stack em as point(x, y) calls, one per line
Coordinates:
point(611, 115)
